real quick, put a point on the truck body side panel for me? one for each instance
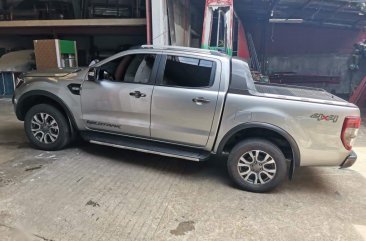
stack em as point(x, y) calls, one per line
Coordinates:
point(315, 127)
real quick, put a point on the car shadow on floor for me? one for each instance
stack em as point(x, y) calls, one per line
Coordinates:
point(308, 179)
point(193, 170)
point(325, 180)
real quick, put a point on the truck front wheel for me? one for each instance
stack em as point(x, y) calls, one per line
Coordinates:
point(257, 165)
point(46, 128)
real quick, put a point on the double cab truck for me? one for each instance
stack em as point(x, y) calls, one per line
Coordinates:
point(191, 104)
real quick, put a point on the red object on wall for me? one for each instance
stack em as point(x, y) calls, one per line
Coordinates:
point(234, 29)
point(361, 37)
point(243, 51)
point(359, 95)
point(211, 6)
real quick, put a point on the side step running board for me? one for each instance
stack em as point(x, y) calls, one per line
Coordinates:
point(146, 146)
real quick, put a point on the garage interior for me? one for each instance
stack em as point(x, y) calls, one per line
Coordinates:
point(312, 43)
point(88, 192)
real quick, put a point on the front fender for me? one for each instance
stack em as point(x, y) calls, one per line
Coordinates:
point(58, 93)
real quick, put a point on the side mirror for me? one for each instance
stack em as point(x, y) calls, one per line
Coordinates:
point(92, 74)
point(94, 61)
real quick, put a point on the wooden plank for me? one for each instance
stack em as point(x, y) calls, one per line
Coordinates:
point(74, 22)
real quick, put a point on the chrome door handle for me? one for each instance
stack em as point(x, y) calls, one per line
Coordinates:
point(201, 101)
point(137, 94)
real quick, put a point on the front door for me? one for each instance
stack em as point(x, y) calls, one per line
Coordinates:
point(119, 100)
point(184, 100)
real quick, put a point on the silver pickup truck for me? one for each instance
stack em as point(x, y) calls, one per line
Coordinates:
point(191, 104)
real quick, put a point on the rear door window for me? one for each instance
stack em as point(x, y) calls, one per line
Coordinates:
point(188, 72)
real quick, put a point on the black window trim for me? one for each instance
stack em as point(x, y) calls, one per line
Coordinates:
point(161, 71)
point(240, 84)
point(153, 75)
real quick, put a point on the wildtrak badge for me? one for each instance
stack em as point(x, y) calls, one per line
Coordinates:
point(97, 123)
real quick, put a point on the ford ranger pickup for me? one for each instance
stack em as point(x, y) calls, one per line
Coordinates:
point(191, 104)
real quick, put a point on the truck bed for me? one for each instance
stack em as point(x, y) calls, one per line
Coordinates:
point(297, 91)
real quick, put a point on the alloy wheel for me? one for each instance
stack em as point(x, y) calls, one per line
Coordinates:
point(45, 128)
point(257, 167)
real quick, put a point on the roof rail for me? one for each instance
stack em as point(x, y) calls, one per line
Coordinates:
point(186, 49)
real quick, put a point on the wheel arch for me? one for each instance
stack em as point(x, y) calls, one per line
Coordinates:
point(266, 131)
point(35, 97)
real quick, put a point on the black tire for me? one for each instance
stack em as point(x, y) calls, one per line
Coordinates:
point(257, 147)
point(63, 133)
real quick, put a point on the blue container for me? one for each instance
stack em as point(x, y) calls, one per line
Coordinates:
point(6, 83)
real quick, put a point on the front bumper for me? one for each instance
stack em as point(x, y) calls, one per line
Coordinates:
point(350, 160)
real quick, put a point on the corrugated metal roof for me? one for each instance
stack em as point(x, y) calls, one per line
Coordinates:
point(342, 13)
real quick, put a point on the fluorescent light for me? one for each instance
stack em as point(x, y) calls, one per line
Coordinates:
point(284, 20)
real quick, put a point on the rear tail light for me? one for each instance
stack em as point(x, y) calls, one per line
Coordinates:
point(350, 131)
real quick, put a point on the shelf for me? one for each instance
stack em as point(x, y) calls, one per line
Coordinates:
point(74, 23)
point(131, 26)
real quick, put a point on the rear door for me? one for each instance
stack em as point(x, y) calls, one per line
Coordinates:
point(184, 100)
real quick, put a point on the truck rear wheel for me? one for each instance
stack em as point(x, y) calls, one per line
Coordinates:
point(46, 128)
point(257, 165)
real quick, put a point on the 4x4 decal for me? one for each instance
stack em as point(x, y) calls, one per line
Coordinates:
point(322, 117)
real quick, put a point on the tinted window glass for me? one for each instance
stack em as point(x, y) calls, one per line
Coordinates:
point(188, 72)
point(129, 69)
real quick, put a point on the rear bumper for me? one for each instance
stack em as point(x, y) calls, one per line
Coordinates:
point(350, 160)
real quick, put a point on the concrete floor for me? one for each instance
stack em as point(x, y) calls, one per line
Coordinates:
point(89, 192)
